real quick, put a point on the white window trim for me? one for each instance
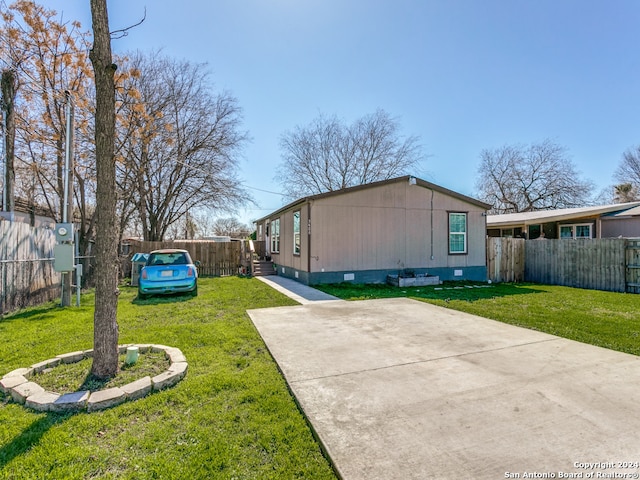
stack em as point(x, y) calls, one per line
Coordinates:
point(296, 251)
point(275, 236)
point(573, 230)
point(464, 234)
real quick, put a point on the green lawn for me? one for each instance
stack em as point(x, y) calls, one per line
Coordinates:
point(231, 417)
point(606, 319)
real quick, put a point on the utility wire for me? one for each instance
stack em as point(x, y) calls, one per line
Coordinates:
point(241, 183)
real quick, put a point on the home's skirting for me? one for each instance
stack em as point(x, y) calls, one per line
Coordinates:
point(478, 274)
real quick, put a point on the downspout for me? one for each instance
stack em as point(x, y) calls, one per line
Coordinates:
point(309, 238)
point(431, 225)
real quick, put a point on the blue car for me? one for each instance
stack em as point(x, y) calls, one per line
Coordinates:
point(168, 271)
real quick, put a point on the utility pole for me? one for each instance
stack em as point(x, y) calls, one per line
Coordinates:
point(3, 201)
point(67, 210)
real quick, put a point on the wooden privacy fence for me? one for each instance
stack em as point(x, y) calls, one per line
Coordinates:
point(259, 248)
point(216, 258)
point(597, 264)
point(632, 248)
point(505, 259)
point(26, 266)
point(611, 264)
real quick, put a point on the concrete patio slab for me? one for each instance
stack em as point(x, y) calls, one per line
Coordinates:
point(400, 389)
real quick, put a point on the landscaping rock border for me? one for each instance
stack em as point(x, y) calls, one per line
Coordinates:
point(18, 385)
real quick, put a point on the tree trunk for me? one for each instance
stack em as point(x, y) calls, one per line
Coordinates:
point(8, 86)
point(105, 336)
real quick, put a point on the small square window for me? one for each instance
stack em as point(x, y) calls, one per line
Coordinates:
point(583, 231)
point(566, 231)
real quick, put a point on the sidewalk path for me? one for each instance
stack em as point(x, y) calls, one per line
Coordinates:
point(296, 290)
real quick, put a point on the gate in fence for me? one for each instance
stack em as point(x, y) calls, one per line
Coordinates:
point(505, 259)
point(633, 265)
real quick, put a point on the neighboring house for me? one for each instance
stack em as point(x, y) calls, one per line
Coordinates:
point(605, 221)
point(364, 233)
point(622, 224)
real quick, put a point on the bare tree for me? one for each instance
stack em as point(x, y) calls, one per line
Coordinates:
point(628, 171)
point(524, 178)
point(328, 155)
point(48, 57)
point(183, 144)
point(105, 337)
point(231, 227)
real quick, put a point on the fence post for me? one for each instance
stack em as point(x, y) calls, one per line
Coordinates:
point(3, 266)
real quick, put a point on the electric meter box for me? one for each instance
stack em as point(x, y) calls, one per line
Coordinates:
point(63, 260)
point(64, 233)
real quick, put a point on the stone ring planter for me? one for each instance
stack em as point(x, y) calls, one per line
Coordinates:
point(17, 383)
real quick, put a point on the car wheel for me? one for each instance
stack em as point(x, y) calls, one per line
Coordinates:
point(194, 293)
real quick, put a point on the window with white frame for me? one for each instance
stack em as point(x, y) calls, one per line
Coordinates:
point(296, 232)
point(275, 236)
point(457, 233)
point(581, 230)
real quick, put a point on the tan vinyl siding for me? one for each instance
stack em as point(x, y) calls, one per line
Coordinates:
point(286, 256)
point(389, 227)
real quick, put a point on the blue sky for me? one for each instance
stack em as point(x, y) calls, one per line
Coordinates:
point(463, 75)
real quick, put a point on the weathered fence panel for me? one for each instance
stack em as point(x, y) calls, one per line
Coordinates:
point(633, 265)
point(505, 259)
point(260, 248)
point(598, 264)
point(27, 276)
point(216, 258)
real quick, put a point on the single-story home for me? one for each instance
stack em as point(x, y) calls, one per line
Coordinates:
point(364, 233)
point(625, 223)
point(604, 221)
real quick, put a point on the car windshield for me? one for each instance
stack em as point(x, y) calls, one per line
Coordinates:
point(172, 258)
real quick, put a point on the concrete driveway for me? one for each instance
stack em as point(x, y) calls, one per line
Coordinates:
point(400, 389)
